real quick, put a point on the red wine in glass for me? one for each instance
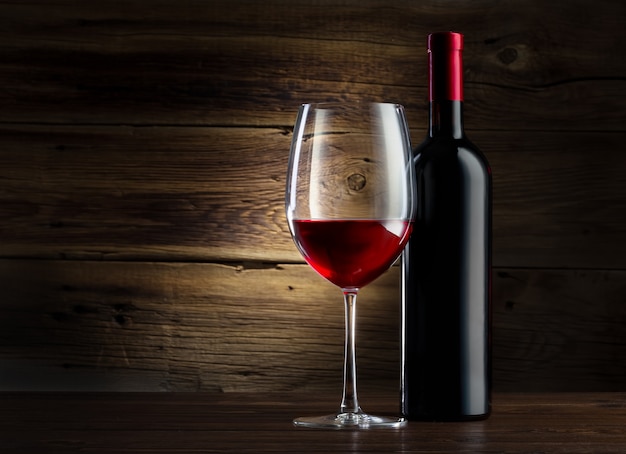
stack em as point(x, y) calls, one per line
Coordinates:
point(351, 253)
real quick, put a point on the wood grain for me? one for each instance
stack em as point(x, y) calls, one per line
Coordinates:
point(261, 422)
point(177, 193)
point(528, 65)
point(143, 153)
point(208, 327)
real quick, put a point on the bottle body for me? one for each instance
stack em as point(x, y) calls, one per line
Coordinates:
point(446, 278)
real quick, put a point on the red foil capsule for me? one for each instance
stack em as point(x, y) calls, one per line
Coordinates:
point(445, 66)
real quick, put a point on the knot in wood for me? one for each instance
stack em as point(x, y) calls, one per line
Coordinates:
point(508, 55)
point(356, 181)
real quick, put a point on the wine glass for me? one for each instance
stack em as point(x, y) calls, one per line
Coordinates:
point(350, 203)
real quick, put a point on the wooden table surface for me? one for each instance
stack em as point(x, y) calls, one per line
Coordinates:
point(244, 423)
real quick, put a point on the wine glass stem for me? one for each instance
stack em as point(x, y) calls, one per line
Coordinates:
point(349, 400)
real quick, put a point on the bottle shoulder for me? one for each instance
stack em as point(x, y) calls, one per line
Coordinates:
point(448, 151)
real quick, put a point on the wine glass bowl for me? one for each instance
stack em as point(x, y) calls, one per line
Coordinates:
point(350, 203)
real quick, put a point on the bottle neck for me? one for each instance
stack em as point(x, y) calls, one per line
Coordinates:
point(445, 82)
point(446, 118)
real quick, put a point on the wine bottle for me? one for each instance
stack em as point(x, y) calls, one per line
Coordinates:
point(446, 266)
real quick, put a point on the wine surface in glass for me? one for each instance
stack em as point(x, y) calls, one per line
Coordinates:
point(351, 253)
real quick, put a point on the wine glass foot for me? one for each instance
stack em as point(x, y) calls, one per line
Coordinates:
point(349, 420)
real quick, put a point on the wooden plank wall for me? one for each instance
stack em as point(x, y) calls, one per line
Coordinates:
point(143, 151)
